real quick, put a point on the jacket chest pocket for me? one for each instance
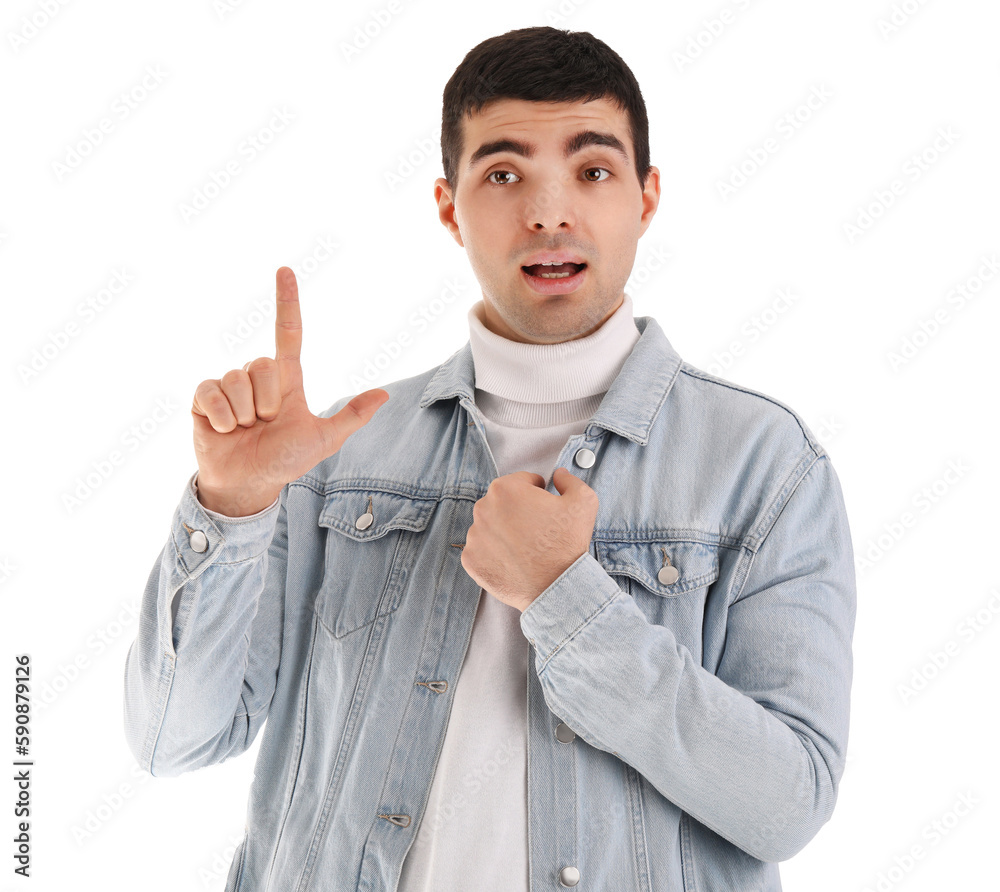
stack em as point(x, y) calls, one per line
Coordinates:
point(668, 579)
point(372, 542)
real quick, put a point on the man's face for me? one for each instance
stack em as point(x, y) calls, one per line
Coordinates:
point(508, 208)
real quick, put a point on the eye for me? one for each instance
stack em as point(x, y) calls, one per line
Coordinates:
point(489, 177)
point(589, 169)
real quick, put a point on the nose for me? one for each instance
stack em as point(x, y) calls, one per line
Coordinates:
point(550, 205)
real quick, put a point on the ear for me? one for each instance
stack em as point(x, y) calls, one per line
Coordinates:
point(650, 199)
point(447, 212)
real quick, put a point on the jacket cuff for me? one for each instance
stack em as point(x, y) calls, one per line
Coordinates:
point(202, 536)
point(567, 606)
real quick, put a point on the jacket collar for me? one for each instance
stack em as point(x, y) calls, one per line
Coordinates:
point(631, 404)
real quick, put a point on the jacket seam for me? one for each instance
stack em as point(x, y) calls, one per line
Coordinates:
point(771, 518)
point(688, 878)
point(695, 372)
point(164, 683)
point(586, 622)
point(293, 775)
point(782, 497)
point(218, 563)
point(670, 534)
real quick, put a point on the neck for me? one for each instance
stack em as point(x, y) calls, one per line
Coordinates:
point(551, 373)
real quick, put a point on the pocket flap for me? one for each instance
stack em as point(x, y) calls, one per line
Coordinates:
point(696, 563)
point(348, 512)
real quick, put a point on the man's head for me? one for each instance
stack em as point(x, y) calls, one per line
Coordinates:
point(510, 191)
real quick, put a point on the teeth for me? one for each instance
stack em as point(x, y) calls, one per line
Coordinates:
point(556, 263)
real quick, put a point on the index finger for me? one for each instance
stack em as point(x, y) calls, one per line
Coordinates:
point(287, 324)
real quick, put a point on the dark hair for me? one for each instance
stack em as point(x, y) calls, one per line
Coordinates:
point(541, 64)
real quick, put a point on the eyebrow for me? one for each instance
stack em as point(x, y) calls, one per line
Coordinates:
point(577, 142)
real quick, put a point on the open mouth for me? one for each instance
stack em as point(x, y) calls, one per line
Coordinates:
point(553, 271)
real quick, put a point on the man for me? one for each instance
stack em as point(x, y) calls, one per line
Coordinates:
point(564, 611)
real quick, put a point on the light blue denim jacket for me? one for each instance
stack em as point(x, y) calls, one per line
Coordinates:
point(710, 711)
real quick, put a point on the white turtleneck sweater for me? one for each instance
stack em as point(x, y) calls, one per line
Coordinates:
point(474, 832)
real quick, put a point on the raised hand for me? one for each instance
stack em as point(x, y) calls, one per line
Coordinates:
point(253, 431)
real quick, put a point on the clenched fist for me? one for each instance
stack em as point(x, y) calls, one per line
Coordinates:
point(523, 538)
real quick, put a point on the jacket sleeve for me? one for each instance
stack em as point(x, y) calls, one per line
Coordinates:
point(756, 751)
point(201, 671)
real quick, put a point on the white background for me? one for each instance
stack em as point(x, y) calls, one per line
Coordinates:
point(75, 557)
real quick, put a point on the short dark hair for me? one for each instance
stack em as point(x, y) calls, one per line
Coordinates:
point(540, 64)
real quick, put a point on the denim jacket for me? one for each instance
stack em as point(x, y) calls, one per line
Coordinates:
point(689, 700)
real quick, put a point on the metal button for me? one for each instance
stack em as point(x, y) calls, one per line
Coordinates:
point(564, 733)
point(585, 458)
point(199, 541)
point(569, 876)
point(668, 575)
point(364, 521)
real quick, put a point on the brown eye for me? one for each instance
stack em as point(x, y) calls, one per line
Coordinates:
point(505, 173)
point(589, 169)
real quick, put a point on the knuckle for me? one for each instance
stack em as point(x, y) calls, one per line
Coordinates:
point(205, 388)
point(218, 405)
point(266, 411)
point(263, 366)
point(234, 376)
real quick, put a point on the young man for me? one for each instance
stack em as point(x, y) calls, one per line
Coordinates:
point(564, 611)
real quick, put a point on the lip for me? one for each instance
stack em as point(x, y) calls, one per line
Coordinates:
point(555, 286)
point(553, 257)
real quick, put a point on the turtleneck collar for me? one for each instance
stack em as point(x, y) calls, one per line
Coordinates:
point(551, 373)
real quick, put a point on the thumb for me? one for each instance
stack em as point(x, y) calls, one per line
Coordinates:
point(354, 416)
point(567, 482)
